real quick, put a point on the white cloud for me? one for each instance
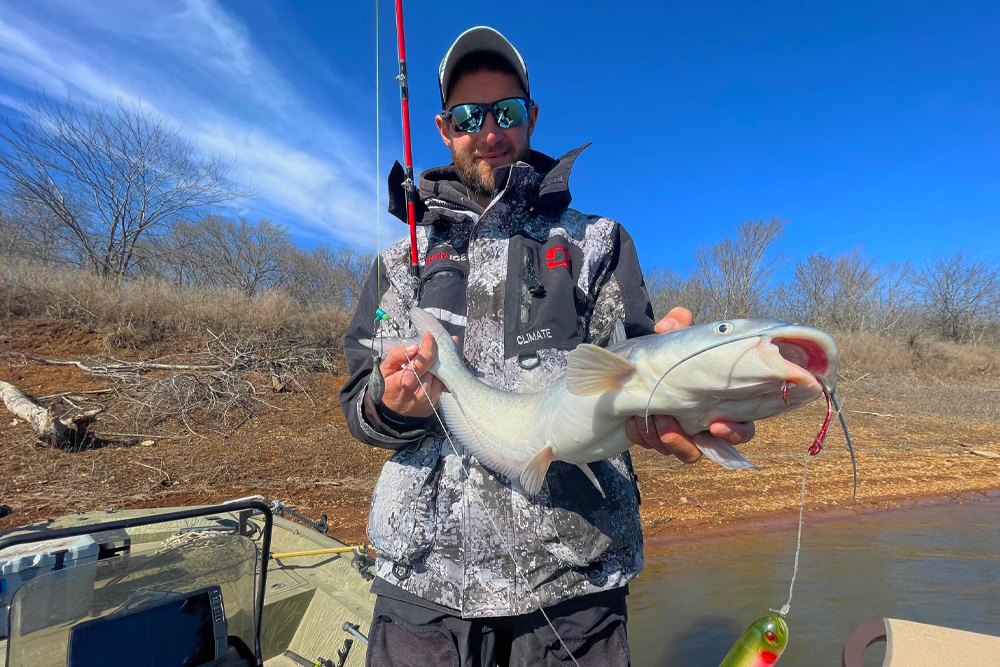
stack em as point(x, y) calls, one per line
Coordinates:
point(195, 63)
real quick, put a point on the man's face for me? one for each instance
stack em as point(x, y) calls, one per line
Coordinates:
point(477, 155)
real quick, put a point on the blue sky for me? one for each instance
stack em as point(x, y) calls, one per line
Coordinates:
point(871, 125)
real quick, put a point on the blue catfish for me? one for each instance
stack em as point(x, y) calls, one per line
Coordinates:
point(738, 370)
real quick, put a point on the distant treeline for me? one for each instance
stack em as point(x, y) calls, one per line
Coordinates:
point(954, 297)
point(117, 193)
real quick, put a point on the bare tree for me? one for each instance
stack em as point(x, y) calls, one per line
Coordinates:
point(174, 256)
point(857, 284)
point(668, 289)
point(839, 293)
point(960, 296)
point(894, 299)
point(811, 296)
point(325, 276)
point(243, 255)
point(11, 236)
point(110, 176)
point(737, 270)
point(352, 268)
point(31, 232)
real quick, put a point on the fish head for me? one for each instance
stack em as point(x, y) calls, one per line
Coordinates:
point(770, 634)
point(746, 368)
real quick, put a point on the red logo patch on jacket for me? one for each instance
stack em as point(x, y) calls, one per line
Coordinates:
point(557, 256)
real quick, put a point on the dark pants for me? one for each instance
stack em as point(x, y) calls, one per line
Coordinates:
point(593, 627)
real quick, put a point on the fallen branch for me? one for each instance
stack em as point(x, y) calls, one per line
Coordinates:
point(217, 389)
point(159, 470)
point(876, 414)
point(118, 366)
point(75, 393)
point(64, 433)
point(982, 452)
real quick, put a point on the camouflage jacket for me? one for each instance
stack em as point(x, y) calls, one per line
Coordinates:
point(520, 283)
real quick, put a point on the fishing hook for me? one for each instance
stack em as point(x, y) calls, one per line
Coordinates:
point(847, 432)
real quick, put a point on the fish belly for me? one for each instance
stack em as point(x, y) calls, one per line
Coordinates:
point(499, 428)
point(583, 429)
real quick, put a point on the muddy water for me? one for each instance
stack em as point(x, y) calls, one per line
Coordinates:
point(933, 564)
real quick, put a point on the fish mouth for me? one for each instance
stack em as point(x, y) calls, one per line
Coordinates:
point(769, 657)
point(798, 360)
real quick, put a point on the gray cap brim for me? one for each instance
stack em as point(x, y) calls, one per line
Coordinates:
point(485, 39)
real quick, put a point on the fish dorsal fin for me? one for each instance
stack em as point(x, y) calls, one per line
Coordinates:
point(533, 475)
point(592, 370)
point(618, 334)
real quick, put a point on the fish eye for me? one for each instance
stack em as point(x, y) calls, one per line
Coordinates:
point(770, 637)
point(724, 327)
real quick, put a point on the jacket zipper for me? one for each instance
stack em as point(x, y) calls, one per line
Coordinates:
point(530, 287)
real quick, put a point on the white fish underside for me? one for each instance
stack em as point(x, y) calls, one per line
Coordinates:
point(580, 418)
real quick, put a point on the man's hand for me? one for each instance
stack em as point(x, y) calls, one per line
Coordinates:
point(663, 433)
point(403, 394)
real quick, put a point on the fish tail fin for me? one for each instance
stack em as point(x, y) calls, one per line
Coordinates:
point(447, 350)
point(533, 475)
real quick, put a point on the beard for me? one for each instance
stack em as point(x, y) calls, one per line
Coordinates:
point(477, 177)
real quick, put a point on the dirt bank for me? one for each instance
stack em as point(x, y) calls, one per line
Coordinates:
point(914, 439)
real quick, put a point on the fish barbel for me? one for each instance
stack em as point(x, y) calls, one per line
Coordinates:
point(739, 370)
point(761, 645)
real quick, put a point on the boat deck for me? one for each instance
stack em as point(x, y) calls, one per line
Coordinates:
point(308, 598)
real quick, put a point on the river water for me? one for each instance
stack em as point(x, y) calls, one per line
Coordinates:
point(936, 564)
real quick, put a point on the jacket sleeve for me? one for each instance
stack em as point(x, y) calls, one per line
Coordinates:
point(621, 294)
point(372, 424)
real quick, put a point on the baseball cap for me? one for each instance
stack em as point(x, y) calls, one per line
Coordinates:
point(480, 38)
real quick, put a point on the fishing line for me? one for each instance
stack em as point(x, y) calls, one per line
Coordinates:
point(376, 382)
point(813, 450)
point(378, 189)
point(817, 445)
point(798, 542)
point(503, 541)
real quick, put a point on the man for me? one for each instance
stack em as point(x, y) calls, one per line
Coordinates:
point(465, 561)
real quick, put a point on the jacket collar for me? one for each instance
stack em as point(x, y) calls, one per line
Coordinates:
point(441, 191)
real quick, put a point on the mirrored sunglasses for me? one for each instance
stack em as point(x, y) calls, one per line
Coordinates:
point(509, 112)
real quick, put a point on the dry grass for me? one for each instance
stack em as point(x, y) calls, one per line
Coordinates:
point(147, 315)
point(865, 353)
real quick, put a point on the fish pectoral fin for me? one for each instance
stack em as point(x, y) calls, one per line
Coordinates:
point(592, 477)
point(533, 475)
point(721, 452)
point(592, 370)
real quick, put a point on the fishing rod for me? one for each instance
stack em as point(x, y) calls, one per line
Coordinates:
point(409, 188)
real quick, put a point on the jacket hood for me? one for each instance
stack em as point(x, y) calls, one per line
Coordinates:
point(440, 187)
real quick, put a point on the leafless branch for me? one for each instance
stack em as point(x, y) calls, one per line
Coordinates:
point(109, 177)
point(737, 270)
